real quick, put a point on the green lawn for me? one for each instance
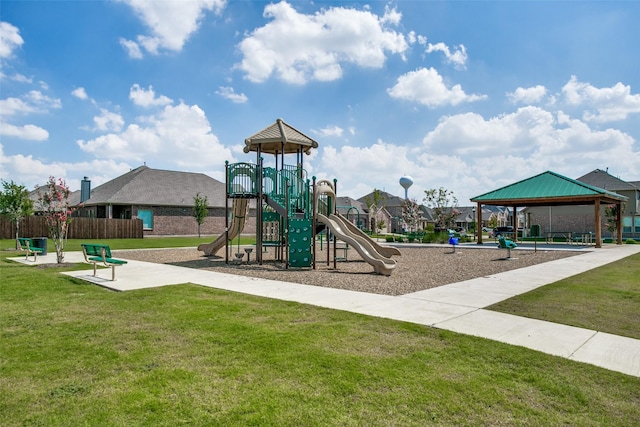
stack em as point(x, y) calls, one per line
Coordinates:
point(606, 299)
point(72, 353)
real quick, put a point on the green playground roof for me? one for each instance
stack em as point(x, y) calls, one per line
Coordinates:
point(548, 188)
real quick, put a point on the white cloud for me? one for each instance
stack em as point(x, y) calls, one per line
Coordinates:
point(33, 172)
point(607, 104)
point(529, 95)
point(230, 94)
point(80, 93)
point(108, 121)
point(181, 133)
point(472, 155)
point(10, 39)
point(426, 86)
point(28, 132)
point(147, 98)
point(297, 48)
point(132, 48)
point(31, 102)
point(171, 23)
point(329, 131)
point(458, 57)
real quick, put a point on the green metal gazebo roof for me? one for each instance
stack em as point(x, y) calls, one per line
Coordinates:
point(547, 189)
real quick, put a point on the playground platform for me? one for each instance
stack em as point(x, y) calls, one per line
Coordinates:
point(458, 307)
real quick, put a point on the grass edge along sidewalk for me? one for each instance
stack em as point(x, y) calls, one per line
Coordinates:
point(74, 353)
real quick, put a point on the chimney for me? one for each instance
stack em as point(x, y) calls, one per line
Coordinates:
point(85, 189)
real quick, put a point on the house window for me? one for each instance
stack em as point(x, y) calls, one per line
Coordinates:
point(626, 224)
point(147, 218)
point(637, 224)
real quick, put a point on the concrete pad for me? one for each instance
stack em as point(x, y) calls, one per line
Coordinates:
point(414, 311)
point(464, 296)
point(551, 338)
point(611, 352)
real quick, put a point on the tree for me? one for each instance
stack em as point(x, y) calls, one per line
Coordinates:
point(443, 203)
point(200, 210)
point(411, 213)
point(611, 216)
point(375, 203)
point(54, 203)
point(15, 204)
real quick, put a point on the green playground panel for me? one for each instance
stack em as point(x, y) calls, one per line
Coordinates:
point(300, 237)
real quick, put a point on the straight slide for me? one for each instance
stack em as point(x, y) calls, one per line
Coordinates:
point(238, 220)
point(381, 264)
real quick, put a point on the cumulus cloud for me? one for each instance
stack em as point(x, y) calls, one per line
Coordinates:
point(34, 172)
point(530, 95)
point(108, 121)
point(32, 102)
point(230, 94)
point(603, 104)
point(80, 93)
point(427, 87)
point(458, 57)
point(462, 151)
point(181, 133)
point(10, 39)
point(329, 131)
point(27, 132)
point(171, 23)
point(147, 98)
point(297, 48)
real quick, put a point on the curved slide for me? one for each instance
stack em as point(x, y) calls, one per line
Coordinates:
point(387, 251)
point(381, 264)
point(238, 220)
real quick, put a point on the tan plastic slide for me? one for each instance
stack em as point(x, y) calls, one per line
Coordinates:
point(238, 220)
point(387, 251)
point(381, 264)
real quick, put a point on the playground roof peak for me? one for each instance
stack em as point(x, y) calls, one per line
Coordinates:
point(279, 138)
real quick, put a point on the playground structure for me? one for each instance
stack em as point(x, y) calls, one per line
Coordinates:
point(290, 209)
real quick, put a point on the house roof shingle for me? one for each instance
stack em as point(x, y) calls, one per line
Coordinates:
point(146, 186)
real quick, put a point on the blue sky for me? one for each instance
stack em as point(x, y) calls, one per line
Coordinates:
point(469, 96)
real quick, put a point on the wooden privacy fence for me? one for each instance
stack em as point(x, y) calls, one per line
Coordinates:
point(79, 228)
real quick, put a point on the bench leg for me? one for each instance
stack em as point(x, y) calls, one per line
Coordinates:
point(113, 273)
point(94, 269)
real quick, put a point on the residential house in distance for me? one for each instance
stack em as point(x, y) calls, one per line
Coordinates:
point(392, 212)
point(163, 199)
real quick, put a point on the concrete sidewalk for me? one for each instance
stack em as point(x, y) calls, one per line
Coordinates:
point(457, 307)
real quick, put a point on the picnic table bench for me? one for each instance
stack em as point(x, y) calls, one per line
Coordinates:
point(96, 253)
point(26, 245)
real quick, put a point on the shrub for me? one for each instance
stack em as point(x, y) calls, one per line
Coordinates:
point(630, 242)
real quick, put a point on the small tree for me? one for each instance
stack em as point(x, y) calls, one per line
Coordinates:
point(411, 213)
point(444, 204)
point(54, 203)
point(611, 216)
point(15, 204)
point(200, 210)
point(375, 205)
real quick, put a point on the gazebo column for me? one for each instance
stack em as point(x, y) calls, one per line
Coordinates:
point(479, 222)
point(514, 223)
point(598, 225)
point(619, 223)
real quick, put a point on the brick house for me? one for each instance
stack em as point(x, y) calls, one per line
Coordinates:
point(163, 199)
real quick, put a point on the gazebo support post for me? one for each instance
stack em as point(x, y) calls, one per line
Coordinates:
point(479, 222)
point(619, 223)
point(598, 224)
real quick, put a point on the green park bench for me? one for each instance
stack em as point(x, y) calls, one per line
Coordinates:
point(95, 253)
point(26, 245)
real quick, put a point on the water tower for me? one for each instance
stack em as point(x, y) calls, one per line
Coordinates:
point(406, 182)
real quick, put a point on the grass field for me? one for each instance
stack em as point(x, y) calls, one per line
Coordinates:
point(76, 354)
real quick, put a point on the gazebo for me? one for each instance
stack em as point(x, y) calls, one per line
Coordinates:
point(552, 189)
